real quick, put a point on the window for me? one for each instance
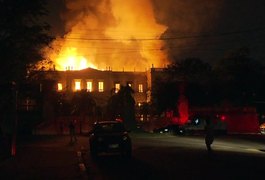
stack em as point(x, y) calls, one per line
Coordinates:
point(77, 85)
point(100, 86)
point(117, 87)
point(59, 87)
point(140, 88)
point(89, 86)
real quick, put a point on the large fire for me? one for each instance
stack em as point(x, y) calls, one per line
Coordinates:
point(70, 60)
point(116, 34)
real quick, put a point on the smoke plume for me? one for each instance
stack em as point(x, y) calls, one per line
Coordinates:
point(122, 35)
point(133, 34)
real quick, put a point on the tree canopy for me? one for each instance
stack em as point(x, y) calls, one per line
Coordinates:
point(236, 79)
point(241, 77)
point(122, 104)
point(191, 74)
point(23, 34)
point(191, 70)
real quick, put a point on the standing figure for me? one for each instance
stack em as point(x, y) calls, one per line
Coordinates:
point(61, 127)
point(72, 131)
point(209, 134)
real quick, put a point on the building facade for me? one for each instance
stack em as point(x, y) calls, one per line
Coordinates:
point(101, 84)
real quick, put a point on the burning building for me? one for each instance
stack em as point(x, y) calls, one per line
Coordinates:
point(126, 36)
point(101, 84)
point(122, 36)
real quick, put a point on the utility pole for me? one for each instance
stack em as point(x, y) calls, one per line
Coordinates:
point(14, 138)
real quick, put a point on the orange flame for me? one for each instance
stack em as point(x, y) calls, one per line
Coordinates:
point(120, 34)
point(70, 60)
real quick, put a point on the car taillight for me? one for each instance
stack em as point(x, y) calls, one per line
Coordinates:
point(223, 117)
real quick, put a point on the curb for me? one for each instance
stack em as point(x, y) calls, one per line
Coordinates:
point(81, 165)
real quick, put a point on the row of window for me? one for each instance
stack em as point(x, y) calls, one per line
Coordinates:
point(89, 86)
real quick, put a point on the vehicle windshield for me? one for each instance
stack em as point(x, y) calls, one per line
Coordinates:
point(110, 127)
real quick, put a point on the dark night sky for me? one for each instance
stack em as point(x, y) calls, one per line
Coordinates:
point(246, 19)
point(224, 26)
point(207, 29)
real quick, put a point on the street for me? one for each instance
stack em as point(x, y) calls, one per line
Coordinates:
point(155, 156)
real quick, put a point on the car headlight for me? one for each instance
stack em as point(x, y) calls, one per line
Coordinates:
point(181, 131)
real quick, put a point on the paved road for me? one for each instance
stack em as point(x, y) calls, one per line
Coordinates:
point(154, 157)
point(171, 157)
point(44, 157)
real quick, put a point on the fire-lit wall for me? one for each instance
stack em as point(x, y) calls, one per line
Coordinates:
point(243, 123)
point(102, 84)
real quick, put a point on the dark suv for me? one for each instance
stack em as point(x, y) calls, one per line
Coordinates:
point(109, 137)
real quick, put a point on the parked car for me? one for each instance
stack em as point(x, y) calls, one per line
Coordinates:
point(109, 137)
point(171, 129)
point(197, 126)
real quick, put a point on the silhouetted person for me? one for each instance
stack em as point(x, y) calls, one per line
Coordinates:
point(61, 126)
point(209, 134)
point(72, 132)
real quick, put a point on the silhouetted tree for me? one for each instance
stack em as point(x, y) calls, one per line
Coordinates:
point(122, 104)
point(23, 34)
point(144, 109)
point(83, 104)
point(192, 74)
point(197, 76)
point(240, 77)
point(114, 107)
point(191, 70)
point(165, 96)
